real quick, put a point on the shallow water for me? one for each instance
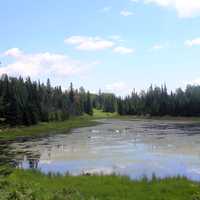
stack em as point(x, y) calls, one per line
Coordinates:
point(133, 148)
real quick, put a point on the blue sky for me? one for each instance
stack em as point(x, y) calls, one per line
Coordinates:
point(107, 44)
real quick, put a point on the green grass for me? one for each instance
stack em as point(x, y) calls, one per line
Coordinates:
point(53, 127)
point(33, 185)
point(100, 114)
point(46, 128)
point(75, 122)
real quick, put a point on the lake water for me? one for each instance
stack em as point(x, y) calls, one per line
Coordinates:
point(133, 148)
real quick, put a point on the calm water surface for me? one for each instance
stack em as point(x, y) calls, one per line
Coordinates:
point(133, 148)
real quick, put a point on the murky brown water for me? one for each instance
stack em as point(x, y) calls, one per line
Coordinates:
point(133, 148)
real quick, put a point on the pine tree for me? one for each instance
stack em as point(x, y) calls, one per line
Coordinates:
point(89, 109)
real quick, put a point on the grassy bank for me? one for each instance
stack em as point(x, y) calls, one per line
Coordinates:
point(82, 121)
point(45, 128)
point(29, 185)
point(53, 127)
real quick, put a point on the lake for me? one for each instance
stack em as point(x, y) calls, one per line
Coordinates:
point(135, 148)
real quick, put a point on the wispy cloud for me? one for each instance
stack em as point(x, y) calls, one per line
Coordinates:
point(126, 13)
point(85, 43)
point(89, 43)
point(47, 63)
point(192, 82)
point(123, 50)
point(105, 9)
point(159, 46)
point(116, 38)
point(196, 81)
point(193, 42)
point(184, 8)
point(119, 88)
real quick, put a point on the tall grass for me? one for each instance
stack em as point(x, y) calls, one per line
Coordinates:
point(35, 185)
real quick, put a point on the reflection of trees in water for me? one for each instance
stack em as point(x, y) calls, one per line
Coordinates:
point(26, 158)
point(5, 154)
point(49, 152)
point(9, 155)
point(32, 159)
point(20, 157)
point(33, 163)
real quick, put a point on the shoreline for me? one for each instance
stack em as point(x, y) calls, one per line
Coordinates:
point(49, 128)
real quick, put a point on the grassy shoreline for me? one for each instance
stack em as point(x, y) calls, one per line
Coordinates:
point(42, 129)
point(53, 127)
point(34, 185)
point(46, 128)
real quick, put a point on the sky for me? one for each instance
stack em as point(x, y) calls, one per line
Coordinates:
point(115, 45)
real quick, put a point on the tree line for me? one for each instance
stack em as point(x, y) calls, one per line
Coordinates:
point(156, 101)
point(107, 102)
point(27, 102)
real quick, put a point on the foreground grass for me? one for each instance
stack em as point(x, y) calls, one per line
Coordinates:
point(32, 185)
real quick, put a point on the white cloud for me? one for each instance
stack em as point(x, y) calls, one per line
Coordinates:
point(184, 8)
point(106, 9)
point(160, 46)
point(119, 88)
point(126, 13)
point(157, 47)
point(134, 1)
point(116, 38)
point(193, 82)
point(194, 42)
point(86, 43)
point(196, 81)
point(123, 50)
point(89, 43)
point(41, 64)
point(14, 52)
